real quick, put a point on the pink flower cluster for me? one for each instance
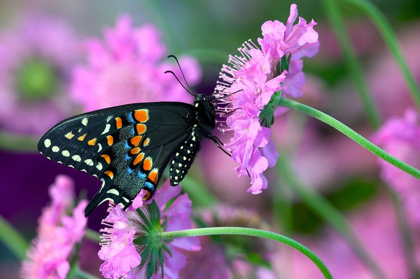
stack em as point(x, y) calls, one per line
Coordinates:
point(248, 83)
point(122, 257)
point(401, 138)
point(125, 68)
point(58, 232)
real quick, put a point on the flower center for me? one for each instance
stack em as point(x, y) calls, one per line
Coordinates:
point(36, 80)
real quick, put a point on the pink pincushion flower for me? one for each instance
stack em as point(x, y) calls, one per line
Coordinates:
point(36, 57)
point(125, 68)
point(118, 251)
point(124, 259)
point(401, 138)
point(58, 232)
point(249, 82)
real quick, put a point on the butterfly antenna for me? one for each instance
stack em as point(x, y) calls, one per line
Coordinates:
point(170, 72)
point(182, 72)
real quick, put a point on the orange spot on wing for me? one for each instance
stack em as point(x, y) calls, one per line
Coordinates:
point(118, 122)
point(138, 159)
point(140, 128)
point(146, 142)
point(153, 175)
point(136, 140)
point(110, 140)
point(92, 142)
point(109, 173)
point(82, 138)
point(107, 158)
point(147, 164)
point(146, 196)
point(135, 150)
point(141, 115)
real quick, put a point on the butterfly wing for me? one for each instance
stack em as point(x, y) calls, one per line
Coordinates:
point(126, 147)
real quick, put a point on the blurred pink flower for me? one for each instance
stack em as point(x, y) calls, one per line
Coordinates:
point(36, 58)
point(58, 232)
point(122, 256)
point(401, 138)
point(125, 68)
point(392, 95)
point(376, 227)
point(248, 83)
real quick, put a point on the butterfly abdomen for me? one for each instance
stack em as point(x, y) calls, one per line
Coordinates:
point(184, 157)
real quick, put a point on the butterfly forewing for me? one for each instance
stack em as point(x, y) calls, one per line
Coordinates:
point(126, 147)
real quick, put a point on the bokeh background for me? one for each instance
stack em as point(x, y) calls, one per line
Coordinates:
point(339, 170)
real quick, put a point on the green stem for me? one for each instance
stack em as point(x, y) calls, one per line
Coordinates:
point(93, 235)
point(12, 239)
point(327, 212)
point(198, 192)
point(391, 41)
point(351, 134)
point(352, 63)
point(252, 232)
point(17, 143)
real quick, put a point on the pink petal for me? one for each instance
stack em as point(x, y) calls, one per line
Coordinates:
point(270, 153)
point(166, 193)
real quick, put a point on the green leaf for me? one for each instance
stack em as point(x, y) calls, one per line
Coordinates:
point(285, 62)
point(145, 255)
point(162, 261)
point(143, 216)
point(142, 240)
point(256, 259)
point(150, 268)
point(166, 248)
point(154, 212)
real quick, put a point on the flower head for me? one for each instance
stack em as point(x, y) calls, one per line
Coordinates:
point(36, 57)
point(401, 138)
point(125, 68)
point(132, 247)
point(60, 228)
point(251, 85)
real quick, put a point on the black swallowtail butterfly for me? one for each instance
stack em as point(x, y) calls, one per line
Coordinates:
point(128, 147)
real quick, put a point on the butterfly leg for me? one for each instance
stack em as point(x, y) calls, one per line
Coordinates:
point(219, 144)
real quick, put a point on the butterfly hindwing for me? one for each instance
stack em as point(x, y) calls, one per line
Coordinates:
point(126, 147)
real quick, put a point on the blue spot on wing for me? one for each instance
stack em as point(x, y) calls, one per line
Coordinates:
point(126, 146)
point(141, 175)
point(130, 171)
point(130, 117)
point(149, 186)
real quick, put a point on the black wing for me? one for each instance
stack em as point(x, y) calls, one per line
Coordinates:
point(126, 147)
